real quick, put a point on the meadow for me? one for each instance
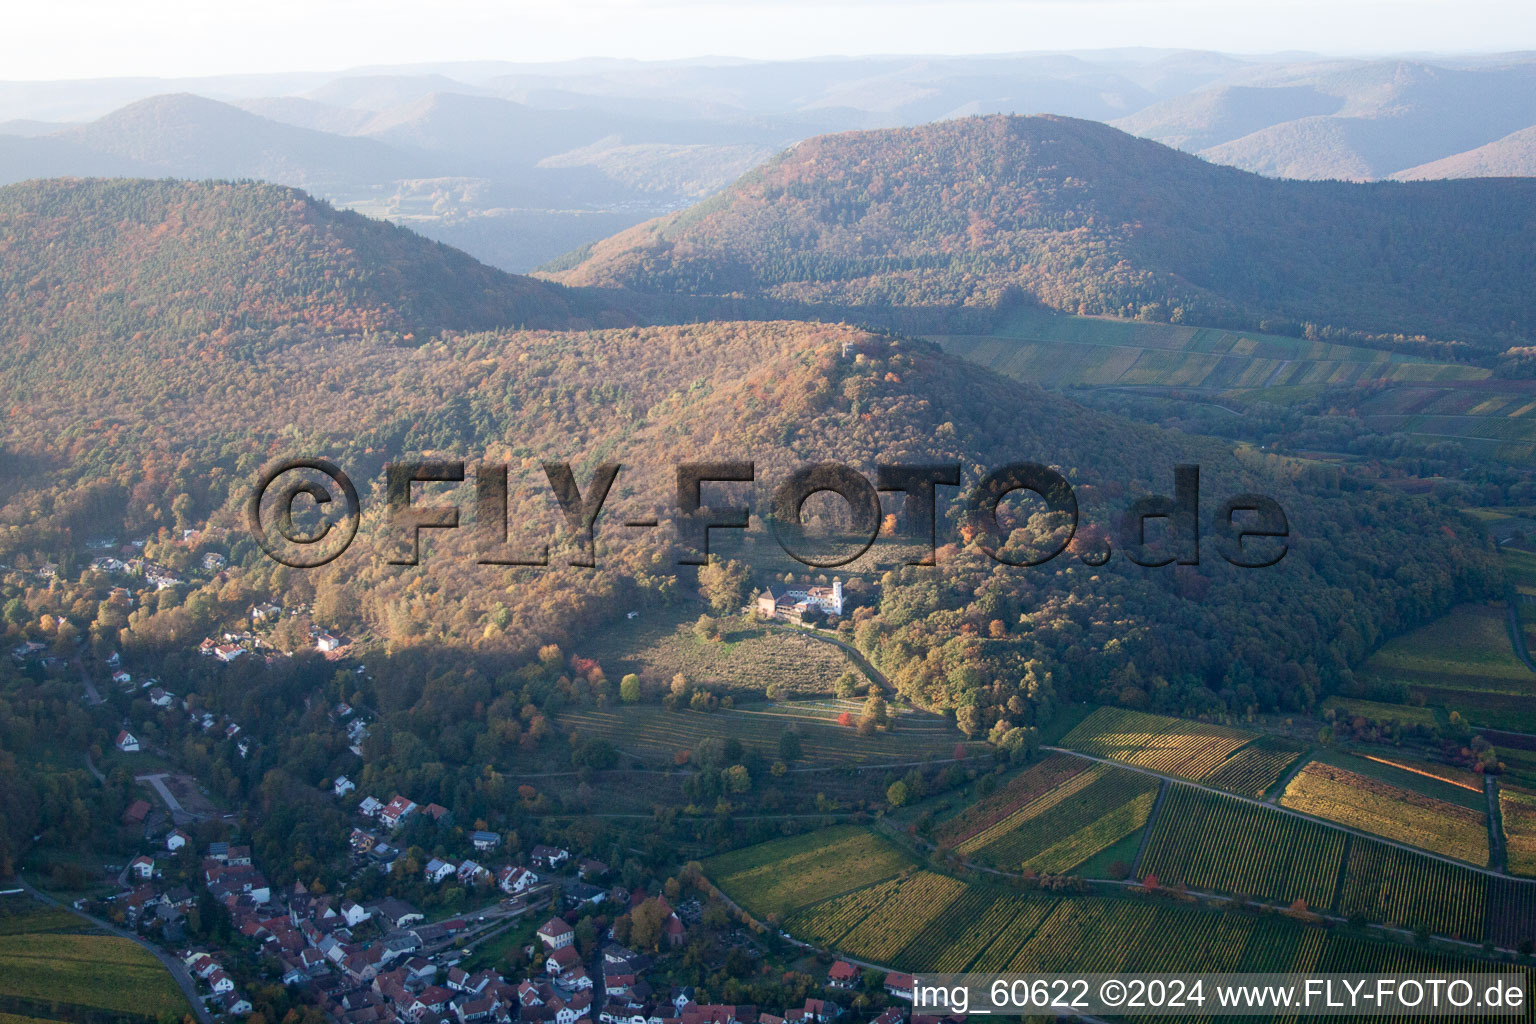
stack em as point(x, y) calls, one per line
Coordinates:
point(1368, 804)
point(1216, 755)
point(1347, 708)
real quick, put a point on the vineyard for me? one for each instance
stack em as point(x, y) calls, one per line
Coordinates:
point(1064, 827)
point(1213, 754)
point(655, 735)
point(1392, 812)
point(1463, 661)
point(1397, 887)
point(81, 975)
point(783, 875)
point(924, 921)
point(1518, 809)
point(1021, 789)
point(1214, 843)
point(1511, 912)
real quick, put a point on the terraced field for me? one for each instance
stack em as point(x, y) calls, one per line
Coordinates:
point(1394, 886)
point(1214, 754)
point(52, 964)
point(1214, 843)
point(1511, 915)
point(1062, 828)
point(783, 875)
point(654, 734)
point(1517, 807)
point(1383, 809)
point(1464, 662)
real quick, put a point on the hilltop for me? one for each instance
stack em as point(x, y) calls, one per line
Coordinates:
point(989, 212)
point(96, 272)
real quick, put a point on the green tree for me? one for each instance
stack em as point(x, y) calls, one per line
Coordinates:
point(896, 793)
point(629, 688)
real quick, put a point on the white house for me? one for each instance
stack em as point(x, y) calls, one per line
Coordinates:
point(470, 872)
point(343, 785)
point(121, 678)
point(396, 811)
point(142, 868)
point(485, 840)
point(437, 870)
point(221, 983)
point(513, 880)
point(368, 807)
point(126, 742)
point(176, 840)
point(556, 934)
point(327, 642)
point(355, 914)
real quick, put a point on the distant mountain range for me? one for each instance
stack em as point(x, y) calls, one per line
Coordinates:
point(521, 163)
point(985, 213)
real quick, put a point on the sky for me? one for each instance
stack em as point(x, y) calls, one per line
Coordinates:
point(65, 39)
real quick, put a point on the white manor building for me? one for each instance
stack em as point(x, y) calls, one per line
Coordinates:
point(790, 602)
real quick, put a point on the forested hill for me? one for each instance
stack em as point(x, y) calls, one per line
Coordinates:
point(986, 211)
point(176, 269)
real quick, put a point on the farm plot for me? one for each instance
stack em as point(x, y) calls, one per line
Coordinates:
point(1465, 662)
point(1210, 842)
point(1021, 789)
point(1252, 769)
point(1348, 708)
point(656, 735)
point(1518, 809)
point(827, 922)
point(921, 899)
point(1394, 886)
point(1390, 811)
point(783, 875)
point(1511, 912)
point(1197, 751)
point(1066, 826)
point(1442, 782)
point(86, 975)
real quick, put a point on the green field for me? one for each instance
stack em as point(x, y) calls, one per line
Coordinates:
point(1059, 350)
point(1216, 755)
point(52, 962)
point(1379, 711)
point(1215, 843)
point(655, 734)
point(1465, 662)
point(781, 876)
point(1519, 568)
point(657, 645)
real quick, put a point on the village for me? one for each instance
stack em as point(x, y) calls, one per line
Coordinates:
point(383, 961)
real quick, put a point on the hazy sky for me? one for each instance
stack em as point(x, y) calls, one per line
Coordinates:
point(50, 39)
